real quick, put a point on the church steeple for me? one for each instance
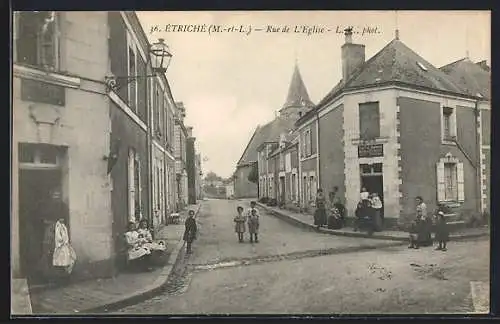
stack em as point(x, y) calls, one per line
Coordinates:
point(297, 98)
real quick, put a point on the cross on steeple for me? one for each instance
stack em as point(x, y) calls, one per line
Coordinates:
point(397, 25)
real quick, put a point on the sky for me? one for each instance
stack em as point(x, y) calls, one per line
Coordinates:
point(230, 82)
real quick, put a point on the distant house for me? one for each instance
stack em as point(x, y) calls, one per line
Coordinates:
point(229, 185)
point(402, 128)
point(266, 138)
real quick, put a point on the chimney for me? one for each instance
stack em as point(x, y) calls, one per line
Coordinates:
point(353, 55)
point(190, 131)
point(484, 65)
point(180, 110)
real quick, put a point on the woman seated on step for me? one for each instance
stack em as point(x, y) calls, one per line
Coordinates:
point(145, 233)
point(138, 253)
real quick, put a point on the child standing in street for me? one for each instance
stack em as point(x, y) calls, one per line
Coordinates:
point(442, 233)
point(253, 226)
point(239, 227)
point(413, 235)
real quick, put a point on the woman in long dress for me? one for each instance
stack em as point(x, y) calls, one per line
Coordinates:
point(424, 237)
point(64, 256)
point(320, 212)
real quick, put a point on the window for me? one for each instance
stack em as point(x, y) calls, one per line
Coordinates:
point(306, 144)
point(134, 186)
point(312, 188)
point(45, 154)
point(305, 186)
point(164, 118)
point(448, 124)
point(132, 71)
point(159, 115)
point(37, 40)
point(294, 184)
point(450, 180)
point(369, 120)
point(282, 162)
point(288, 162)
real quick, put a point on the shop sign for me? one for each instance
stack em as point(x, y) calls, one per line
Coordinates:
point(370, 150)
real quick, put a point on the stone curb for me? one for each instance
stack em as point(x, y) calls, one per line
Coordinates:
point(151, 290)
point(295, 221)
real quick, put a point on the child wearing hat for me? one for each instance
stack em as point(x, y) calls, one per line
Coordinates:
point(442, 233)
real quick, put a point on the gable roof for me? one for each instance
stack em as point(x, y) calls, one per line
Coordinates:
point(396, 63)
point(472, 77)
point(297, 92)
point(270, 132)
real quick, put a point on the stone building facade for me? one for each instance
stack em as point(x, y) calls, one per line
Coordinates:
point(108, 147)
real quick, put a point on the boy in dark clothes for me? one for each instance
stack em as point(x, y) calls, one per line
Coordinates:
point(414, 229)
point(442, 233)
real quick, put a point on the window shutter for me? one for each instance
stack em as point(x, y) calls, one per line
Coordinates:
point(131, 187)
point(440, 181)
point(460, 181)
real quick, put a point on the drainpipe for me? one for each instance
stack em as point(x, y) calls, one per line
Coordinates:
point(299, 170)
point(479, 181)
point(150, 158)
point(317, 153)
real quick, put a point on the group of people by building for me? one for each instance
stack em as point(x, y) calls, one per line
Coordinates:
point(250, 218)
point(421, 228)
point(141, 249)
point(370, 217)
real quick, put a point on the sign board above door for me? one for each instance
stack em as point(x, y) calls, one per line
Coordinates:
point(370, 150)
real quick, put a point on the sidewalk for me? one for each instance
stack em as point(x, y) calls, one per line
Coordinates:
point(126, 288)
point(307, 221)
point(20, 301)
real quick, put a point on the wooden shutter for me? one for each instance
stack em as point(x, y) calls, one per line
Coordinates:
point(460, 182)
point(440, 181)
point(302, 144)
point(131, 187)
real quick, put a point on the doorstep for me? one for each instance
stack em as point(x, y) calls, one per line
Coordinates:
point(301, 221)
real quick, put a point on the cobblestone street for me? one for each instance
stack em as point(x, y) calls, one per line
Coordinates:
point(285, 273)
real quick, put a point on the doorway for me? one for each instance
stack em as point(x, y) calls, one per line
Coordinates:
point(35, 186)
point(282, 189)
point(373, 180)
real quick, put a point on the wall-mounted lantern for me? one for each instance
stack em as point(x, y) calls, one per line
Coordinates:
point(159, 57)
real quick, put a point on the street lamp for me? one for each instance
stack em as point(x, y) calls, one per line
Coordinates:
point(159, 57)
